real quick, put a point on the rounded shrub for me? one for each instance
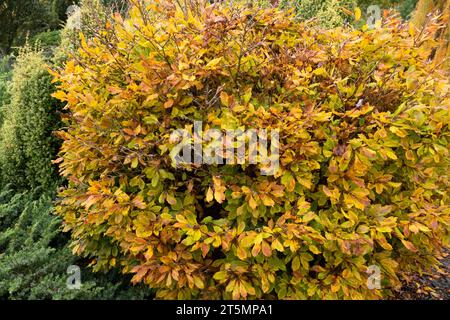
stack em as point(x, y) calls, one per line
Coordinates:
point(362, 181)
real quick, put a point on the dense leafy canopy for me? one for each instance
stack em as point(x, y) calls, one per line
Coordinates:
point(364, 138)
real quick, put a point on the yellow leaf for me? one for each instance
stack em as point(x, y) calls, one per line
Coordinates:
point(241, 253)
point(225, 99)
point(118, 218)
point(242, 290)
point(409, 155)
point(409, 245)
point(288, 181)
point(188, 77)
point(139, 203)
point(362, 229)
point(308, 217)
point(230, 286)
point(168, 103)
point(209, 195)
point(171, 199)
point(305, 182)
point(266, 250)
point(149, 253)
point(83, 40)
point(379, 188)
point(276, 245)
point(399, 132)
point(320, 72)
point(413, 228)
point(327, 191)
point(295, 263)
point(390, 154)
point(219, 195)
point(241, 226)
point(220, 275)
point(335, 287)
point(314, 249)
point(368, 153)
point(134, 163)
point(357, 14)
point(256, 249)
point(198, 282)
point(60, 95)
point(247, 241)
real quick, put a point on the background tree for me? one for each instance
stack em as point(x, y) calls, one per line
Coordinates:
point(327, 13)
point(363, 153)
point(425, 8)
point(28, 17)
point(405, 7)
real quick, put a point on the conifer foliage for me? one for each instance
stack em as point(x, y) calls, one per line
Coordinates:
point(34, 252)
point(27, 143)
point(35, 256)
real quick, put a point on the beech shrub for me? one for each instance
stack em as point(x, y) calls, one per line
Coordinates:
point(363, 181)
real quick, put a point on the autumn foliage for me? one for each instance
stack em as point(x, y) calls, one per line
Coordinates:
point(440, 53)
point(364, 153)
